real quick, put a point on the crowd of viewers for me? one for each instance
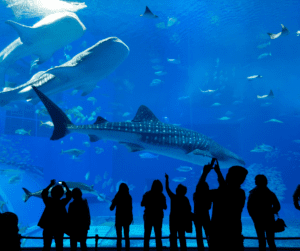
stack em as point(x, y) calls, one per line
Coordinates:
point(223, 230)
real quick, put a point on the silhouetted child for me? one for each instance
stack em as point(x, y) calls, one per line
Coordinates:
point(9, 232)
point(180, 216)
point(228, 203)
point(202, 204)
point(123, 204)
point(262, 205)
point(79, 220)
point(154, 202)
point(54, 217)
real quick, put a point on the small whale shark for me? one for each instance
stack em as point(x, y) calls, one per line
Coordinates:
point(148, 13)
point(145, 133)
point(42, 39)
point(85, 189)
point(284, 32)
point(82, 72)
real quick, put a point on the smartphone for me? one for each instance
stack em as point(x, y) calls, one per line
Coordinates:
point(60, 182)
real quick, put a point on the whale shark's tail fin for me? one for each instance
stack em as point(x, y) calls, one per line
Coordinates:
point(59, 118)
point(27, 194)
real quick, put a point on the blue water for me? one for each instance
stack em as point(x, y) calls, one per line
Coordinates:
point(216, 42)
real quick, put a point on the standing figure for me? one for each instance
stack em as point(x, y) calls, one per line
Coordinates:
point(54, 217)
point(262, 205)
point(180, 216)
point(202, 205)
point(154, 202)
point(228, 203)
point(123, 204)
point(79, 220)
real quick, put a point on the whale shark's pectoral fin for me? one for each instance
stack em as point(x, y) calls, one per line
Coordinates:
point(43, 57)
point(273, 36)
point(93, 138)
point(26, 33)
point(201, 152)
point(33, 101)
point(88, 89)
point(132, 147)
point(62, 73)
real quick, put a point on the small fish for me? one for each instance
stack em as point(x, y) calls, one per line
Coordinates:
point(208, 91)
point(173, 61)
point(156, 82)
point(179, 179)
point(14, 179)
point(74, 92)
point(171, 21)
point(126, 114)
point(184, 169)
point(109, 181)
point(273, 120)
point(48, 124)
point(131, 187)
point(264, 55)
point(73, 152)
point(91, 118)
point(71, 138)
point(264, 45)
point(297, 141)
point(104, 185)
point(157, 67)
point(161, 25)
point(216, 104)
point(87, 176)
point(93, 114)
point(61, 142)
point(79, 108)
point(298, 33)
point(68, 47)
point(98, 178)
point(87, 144)
point(183, 97)
point(22, 132)
point(254, 77)
point(115, 147)
point(148, 156)
point(112, 189)
point(160, 73)
point(92, 99)
point(224, 118)
point(99, 150)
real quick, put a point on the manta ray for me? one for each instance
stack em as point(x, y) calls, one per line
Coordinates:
point(82, 72)
point(42, 39)
point(145, 133)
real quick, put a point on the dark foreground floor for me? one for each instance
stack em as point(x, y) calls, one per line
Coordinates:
point(152, 249)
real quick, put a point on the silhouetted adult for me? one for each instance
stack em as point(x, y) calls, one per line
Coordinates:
point(296, 197)
point(154, 202)
point(262, 205)
point(180, 215)
point(9, 230)
point(202, 204)
point(123, 204)
point(54, 217)
point(228, 203)
point(79, 220)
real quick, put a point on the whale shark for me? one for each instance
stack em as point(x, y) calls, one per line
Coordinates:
point(145, 133)
point(85, 189)
point(82, 72)
point(42, 39)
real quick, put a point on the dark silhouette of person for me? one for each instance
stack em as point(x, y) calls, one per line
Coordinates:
point(154, 202)
point(228, 203)
point(180, 215)
point(79, 220)
point(296, 197)
point(202, 205)
point(9, 232)
point(123, 204)
point(262, 205)
point(54, 217)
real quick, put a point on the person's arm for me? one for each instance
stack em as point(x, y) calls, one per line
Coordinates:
point(221, 179)
point(296, 197)
point(45, 193)
point(170, 193)
point(68, 193)
point(113, 204)
point(276, 204)
point(206, 169)
point(165, 203)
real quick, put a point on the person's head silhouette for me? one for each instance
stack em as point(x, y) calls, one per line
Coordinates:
point(157, 186)
point(123, 188)
point(261, 180)
point(76, 193)
point(57, 192)
point(181, 190)
point(236, 175)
